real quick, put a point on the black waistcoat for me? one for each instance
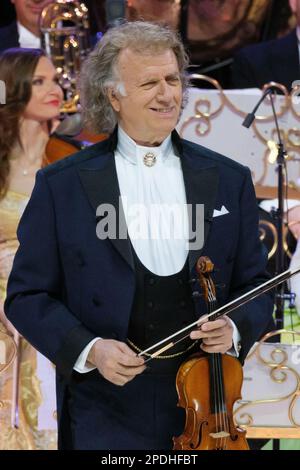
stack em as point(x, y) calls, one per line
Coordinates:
point(162, 305)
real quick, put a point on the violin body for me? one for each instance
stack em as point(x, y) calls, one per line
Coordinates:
point(207, 428)
point(59, 147)
point(208, 386)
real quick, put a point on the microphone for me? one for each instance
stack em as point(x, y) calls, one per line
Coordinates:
point(251, 116)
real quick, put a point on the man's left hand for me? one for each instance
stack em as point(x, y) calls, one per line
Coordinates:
point(216, 335)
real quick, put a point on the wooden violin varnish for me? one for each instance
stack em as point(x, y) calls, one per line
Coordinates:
point(208, 385)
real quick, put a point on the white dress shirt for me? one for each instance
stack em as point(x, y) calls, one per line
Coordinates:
point(27, 39)
point(148, 194)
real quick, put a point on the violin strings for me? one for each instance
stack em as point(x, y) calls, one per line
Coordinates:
point(217, 372)
point(216, 401)
point(212, 361)
point(221, 398)
point(215, 394)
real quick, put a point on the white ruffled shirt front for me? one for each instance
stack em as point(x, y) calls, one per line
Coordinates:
point(154, 203)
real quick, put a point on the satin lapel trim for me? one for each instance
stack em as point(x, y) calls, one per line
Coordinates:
point(102, 187)
point(201, 187)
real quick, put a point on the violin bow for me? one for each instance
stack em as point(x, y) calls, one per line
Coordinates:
point(219, 312)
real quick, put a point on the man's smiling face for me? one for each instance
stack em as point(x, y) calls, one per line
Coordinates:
point(151, 108)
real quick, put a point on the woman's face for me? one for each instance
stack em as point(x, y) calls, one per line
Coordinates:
point(46, 94)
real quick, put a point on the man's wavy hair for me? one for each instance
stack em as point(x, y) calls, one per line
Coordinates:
point(100, 70)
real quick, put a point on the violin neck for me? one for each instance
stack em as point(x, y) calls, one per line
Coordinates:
point(217, 391)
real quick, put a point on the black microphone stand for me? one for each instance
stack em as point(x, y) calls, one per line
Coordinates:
point(278, 215)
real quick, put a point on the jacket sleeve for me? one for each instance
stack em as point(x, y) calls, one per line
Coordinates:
point(243, 72)
point(34, 293)
point(253, 319)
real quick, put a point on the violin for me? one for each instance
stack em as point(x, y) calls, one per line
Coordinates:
point(208, 386)
point(60, 146)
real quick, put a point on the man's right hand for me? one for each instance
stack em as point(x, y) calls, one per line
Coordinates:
point(115, 361)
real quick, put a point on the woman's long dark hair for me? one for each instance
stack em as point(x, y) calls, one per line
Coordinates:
point(17, 68)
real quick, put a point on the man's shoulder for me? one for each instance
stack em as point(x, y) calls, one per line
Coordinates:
point(9, 36)
point(254, 52)
point(208, 156)
point(11, 27)
point(77, 159)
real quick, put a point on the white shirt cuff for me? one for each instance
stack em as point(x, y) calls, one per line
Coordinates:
point(80, 365)
point(236, 340)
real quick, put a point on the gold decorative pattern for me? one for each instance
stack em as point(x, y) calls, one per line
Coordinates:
point(205, 111)
point(267, 228)
point(279, 372)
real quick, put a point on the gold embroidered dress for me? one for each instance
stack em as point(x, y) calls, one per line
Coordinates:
point(28, 435)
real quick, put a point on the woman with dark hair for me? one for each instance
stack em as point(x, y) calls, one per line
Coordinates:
point(32, 104)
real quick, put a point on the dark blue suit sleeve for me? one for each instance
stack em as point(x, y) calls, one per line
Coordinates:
point(34, 295)
point(254, 319)
point(243, 72)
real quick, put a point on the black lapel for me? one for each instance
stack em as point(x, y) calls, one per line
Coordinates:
point(102, 187)
point(201, 178)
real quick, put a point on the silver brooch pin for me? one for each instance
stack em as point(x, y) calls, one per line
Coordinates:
point(149, 159)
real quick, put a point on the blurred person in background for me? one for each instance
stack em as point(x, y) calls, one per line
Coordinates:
point(276, 60)
point(33, 100)
point(24, 30)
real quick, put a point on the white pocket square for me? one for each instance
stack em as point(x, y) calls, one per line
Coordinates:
point(222, 211)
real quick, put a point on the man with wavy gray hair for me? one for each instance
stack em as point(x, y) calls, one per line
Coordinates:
point(106, 264)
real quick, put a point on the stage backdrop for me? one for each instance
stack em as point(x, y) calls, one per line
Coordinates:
point(213, 118)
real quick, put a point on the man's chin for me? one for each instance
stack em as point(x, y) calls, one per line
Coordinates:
point(164, 125)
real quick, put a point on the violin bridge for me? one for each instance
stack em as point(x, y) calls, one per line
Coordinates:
point(219, 435)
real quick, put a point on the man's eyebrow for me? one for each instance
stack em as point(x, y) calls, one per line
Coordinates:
point(149, 78)
point(155, 79)
point(173, 75)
